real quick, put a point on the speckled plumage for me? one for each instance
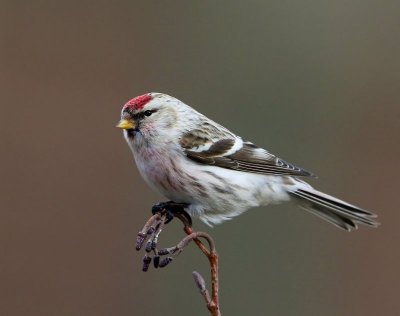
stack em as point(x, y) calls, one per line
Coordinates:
point(191, 159)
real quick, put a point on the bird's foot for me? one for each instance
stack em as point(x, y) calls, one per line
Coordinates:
point(172, 209)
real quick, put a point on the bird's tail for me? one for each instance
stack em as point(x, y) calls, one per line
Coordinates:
point(333, 210)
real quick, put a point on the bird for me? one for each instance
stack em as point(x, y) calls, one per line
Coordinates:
point(215, 174)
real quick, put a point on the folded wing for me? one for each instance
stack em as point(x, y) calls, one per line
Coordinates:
point(231, 152)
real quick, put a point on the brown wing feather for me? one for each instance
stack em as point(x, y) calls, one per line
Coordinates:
point(249, 158)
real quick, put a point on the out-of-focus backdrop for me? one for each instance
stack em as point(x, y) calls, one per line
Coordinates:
point(316, 82)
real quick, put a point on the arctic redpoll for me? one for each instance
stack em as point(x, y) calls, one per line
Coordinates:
point(193, 160)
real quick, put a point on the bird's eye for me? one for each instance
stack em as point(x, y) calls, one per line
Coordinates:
point(148, 112)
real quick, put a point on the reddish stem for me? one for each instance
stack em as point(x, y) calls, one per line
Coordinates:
point(213, 303)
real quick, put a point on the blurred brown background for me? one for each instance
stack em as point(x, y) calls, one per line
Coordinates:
point(316, 82)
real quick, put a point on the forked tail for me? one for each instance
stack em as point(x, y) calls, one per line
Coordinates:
point(333, 210)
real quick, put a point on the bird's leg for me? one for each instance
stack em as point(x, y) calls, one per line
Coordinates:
point(172, 209)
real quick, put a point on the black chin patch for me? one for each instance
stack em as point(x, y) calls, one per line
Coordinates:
point(131, 132)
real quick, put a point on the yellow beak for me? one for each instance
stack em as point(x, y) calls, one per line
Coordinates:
point(126, 124)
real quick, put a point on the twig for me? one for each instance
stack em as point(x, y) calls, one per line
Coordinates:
point(151, 232)
point(213, 303)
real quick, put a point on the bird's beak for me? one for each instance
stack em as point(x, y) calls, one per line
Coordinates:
point(126, 124)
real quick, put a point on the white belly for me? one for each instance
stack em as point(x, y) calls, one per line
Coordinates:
point(214, 194)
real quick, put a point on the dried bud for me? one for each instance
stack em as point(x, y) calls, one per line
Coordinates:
point(199, 280)
point(151, 230)
point(139, 241)
point(156, 261)
point(163, 252)
point(148, 246)
point(165, 262)
point(146, 263)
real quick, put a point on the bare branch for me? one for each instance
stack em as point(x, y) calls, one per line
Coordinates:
point(151, 232)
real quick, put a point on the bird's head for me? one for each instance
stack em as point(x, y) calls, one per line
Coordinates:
point(151, 117)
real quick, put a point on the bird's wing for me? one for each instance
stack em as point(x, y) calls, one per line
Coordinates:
point(226, 150)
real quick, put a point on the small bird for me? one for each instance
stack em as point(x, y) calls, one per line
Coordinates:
point(217, 175)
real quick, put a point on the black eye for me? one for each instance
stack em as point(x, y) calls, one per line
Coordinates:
point(148, 113)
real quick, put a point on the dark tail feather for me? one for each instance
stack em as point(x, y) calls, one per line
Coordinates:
point(333, 210)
